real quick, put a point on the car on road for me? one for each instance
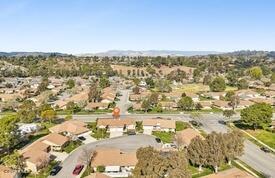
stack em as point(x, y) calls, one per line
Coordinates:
point(81, 138)
point(55, 170)
point(195, 123)
point(131, 133)
point(222, 122)
point(78, 168)
point(265, 149)
point(158, 140)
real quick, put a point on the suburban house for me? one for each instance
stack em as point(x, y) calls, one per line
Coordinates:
point(97, 175)
point(6, 172)
point(56, 141)
point(116, 127)
point(223, 105)
point(71, 128)
point(206, 105)
point(269, 94)
point(169, 105)
point(108, 96)
point(116, 162)
point(230, 173)
point(248, 94)
point(36, 156)
point(150, 125)
point(262, 100)
point(214, 95)
point(194, 96)
point(94, 106)
point(244, 104)
point(184, 137)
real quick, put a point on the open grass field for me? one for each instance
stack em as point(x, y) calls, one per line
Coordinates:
point(264, 136)
point(198, 87)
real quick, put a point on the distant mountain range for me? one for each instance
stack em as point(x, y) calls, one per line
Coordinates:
point(19, 54)
point(150, 53)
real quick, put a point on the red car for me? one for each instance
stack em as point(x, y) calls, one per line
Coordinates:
point(78, 168)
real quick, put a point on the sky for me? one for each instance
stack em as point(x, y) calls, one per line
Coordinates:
point(87, 26)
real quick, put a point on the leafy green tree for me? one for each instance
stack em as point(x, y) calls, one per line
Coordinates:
point(257, 115)
point(153, 98)
point(70, 83)
point(207, 80)
point(94, 93)
point(27, 111)
point(153, 163)
point(228, 95)
point(150, 82)
point(177, 75)
point(242, 84)
point(146, 105)
point(255, 72)
point(197, 152)
point(186, 103)
point(233, 145)
point(228, 113)
point(215, 154)
point(217, 85)
point(163, 85)
point(73, 107)
point(43, 85)
point(15, 161)
point(49, 115)
point(8, 132)
point(234, 101)
point(232, 78)
point(104, 82)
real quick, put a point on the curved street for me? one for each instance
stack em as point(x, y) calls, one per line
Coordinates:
point(125, 143)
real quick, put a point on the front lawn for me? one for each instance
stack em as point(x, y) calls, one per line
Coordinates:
point(166, 137)
point(181, 125)
point(72, 146)
point(264, 136)
point(100, 133)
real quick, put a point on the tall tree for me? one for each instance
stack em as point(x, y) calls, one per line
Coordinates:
point(255, 72)
point(104, 82)
point(215, 155)
point(15, 161)
point(233, 145)
point(197, 152)
point(242, 84)
point(27, 111)
point(186, 103)
point(8, 132)
point(49, 115)
point(94, 93)
point(217, 85)
point(146, 105)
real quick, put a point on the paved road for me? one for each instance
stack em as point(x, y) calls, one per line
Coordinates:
point(124, 102)
point(253, 156)
point(126, 143)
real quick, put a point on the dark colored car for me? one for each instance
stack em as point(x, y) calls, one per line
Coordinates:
point(132, 133)
point(195, 123)
point(81, 138)
point(55, 170)
point(222, 122)
point(158, 140)
point(78, 168)
point(266, 150)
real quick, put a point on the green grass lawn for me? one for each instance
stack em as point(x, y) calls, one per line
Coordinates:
point(72, 145)
point(100, 134)
point(166, 137)
point(264, 136)
point(181, 125)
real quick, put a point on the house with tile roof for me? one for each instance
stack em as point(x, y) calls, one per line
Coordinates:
point(116, 162)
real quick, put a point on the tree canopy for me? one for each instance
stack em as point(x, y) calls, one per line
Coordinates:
point(217, 85)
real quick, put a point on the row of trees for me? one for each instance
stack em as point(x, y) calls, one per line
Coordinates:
point(215, 149)
point(154, 163)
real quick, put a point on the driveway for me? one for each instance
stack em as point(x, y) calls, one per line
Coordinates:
point(88, 137)
point(125, 143)
point(124, 102)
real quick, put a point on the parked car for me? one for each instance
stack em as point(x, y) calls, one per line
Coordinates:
point(81, 138)
point(131, 133)
point(78, 168)
point(55, 170)
point(195, 123)
point(158, 140)
point(222, 122)
point(266, 150)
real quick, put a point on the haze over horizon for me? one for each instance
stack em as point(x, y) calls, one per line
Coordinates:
point(83, 26)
